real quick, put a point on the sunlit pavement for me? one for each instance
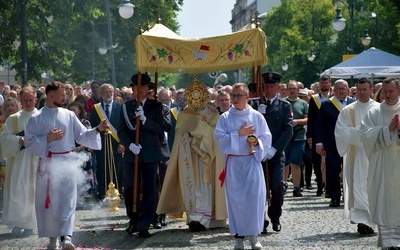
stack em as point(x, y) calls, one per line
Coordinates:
point(307, 223)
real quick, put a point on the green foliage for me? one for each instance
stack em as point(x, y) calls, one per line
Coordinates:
point(296, 27)
point(63, 36)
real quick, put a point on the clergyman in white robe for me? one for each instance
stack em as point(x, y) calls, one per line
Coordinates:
point(245, 187)
point(20, 178)
point(59, 168)
point(383, 151)
point(355, 162)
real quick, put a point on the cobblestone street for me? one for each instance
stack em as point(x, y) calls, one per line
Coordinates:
point(307, 223)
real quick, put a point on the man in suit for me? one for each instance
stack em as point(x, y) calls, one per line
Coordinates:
point(278, 114)
point(165, 97)
point(313, 109)
point(148, 151)
point(111, 111)
point(159, 220)
point(325, 138)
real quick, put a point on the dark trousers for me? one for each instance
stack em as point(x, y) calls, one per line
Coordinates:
point(275, 170)
point(316, 160)
point(147, 184)
point(103, 172)
point(333, 168)
point(308, 166)
point(162, 169)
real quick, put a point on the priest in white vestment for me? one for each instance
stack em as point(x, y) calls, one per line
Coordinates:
point(355, 162)
point(191, 181)
point(51, 134)
point(21, 165)
point(243, 177)
point(379, 134)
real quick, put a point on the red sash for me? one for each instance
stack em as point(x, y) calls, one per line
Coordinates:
point(41, 173)
point(222, 175)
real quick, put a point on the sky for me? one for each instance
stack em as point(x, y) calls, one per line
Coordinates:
point(205, 18)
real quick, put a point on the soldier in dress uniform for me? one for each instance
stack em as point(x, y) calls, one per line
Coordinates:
point(278, 114)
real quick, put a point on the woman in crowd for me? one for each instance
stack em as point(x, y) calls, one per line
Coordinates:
point(80, 112)
point(69, 91)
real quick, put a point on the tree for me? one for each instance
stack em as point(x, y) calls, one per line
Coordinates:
point(63, 36)
point(296, 27)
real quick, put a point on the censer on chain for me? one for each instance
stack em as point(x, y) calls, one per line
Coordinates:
point(112, 194)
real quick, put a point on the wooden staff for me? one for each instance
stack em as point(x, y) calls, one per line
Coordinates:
point(265, 163)
point(136, 167)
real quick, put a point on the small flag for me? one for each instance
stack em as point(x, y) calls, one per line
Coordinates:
point(204, 47)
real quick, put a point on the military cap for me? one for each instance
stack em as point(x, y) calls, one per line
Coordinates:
point(252, 87)
point(152, 86)
point(145, 80)
point(271, 77)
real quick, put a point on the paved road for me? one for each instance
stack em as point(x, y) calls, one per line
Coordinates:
point(307, 223)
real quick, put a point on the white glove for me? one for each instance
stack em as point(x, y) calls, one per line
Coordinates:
point(135, 149)
point(262, 108)
point(139, 112)
point(270, 153)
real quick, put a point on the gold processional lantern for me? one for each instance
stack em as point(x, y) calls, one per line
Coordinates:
point(112, 194)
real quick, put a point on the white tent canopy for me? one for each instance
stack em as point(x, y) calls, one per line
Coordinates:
point(371, 63)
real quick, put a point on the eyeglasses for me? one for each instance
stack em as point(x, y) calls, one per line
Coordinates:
point(340, 89)
point(238, 96)
point(181, 99)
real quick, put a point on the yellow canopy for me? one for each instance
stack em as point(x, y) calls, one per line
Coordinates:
point(162, 50)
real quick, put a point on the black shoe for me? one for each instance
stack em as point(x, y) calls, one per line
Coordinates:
point(156, 225)
point(297, 192)
point(319, 192)
point(196, 226)
point(309, 187)
point(327, 195)
point(132, 228)
point(285, 187)
point(162, 220)
point(156, 222)
point(335, 202)
point(364, 229)
point(276, 226)
point(144, 234)
point(266, 223)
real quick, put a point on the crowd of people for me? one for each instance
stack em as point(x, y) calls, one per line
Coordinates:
point(210, 155)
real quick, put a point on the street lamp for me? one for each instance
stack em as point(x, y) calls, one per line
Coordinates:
point(24, 46)
point(311, 56)
point(285, 66)
point(366, 40)
point(126, 9)
point(339, 23)
point(103, 47)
